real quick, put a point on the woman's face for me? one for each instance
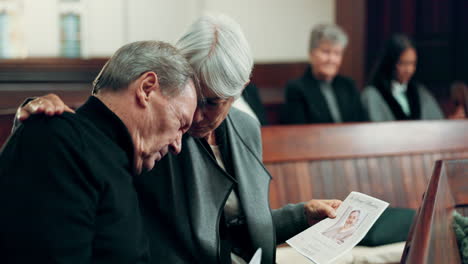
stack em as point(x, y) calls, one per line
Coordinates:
point(326, 60)
point(352, 218)
point(209, 114)
point(406, 65)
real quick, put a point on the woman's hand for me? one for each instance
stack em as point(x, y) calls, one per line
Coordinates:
point(49, 105)
point(317, 210)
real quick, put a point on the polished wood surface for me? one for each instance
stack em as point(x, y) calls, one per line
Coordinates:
point(391, 161)
point(36, 70)
point(338, 141)
point(73, 95)
point(432, 239)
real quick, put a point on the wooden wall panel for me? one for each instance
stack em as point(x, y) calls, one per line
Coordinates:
point(395, 179)
point(12, 99)
point(329, 161)
point(352, 17)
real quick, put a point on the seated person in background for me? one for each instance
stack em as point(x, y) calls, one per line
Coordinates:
point(67, 182)
point(393, 94)
point(251, 104)
point(320, 95)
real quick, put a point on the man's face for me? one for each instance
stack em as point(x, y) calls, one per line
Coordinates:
point(210, 113)
point(326, 60)
point(172, 118)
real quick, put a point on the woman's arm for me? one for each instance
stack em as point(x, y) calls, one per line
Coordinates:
point(49, 104)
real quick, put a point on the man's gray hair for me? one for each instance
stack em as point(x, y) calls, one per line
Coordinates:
point(327, 32)
point(134, 59)
point(219, 54)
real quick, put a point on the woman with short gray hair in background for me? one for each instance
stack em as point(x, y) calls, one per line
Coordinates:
point(210, 203)
point(321, 95)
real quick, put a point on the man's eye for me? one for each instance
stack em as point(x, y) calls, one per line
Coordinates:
point(212, 103)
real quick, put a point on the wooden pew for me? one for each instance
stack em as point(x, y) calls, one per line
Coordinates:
point(391, 161)
point(432, 239)
point(72, 94)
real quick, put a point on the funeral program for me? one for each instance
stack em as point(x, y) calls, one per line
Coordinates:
point(327, 240)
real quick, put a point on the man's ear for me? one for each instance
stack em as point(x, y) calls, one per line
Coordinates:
point(147, 84)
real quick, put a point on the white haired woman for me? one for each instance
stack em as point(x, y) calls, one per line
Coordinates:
point(321, 95)
point(210, 203)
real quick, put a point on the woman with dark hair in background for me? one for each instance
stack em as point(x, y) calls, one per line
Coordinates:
point(393, 94)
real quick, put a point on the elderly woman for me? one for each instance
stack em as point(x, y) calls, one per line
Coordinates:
point(320, 95)
point(393, 94)
point(210, 203)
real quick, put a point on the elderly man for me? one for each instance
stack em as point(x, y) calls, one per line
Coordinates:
point(321, 95)
point(66, 182)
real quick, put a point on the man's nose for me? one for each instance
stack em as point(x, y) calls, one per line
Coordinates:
point(198, 115)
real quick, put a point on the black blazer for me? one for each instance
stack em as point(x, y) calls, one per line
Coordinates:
point(305, 102)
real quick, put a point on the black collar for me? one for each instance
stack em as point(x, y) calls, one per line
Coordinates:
point(109, 123)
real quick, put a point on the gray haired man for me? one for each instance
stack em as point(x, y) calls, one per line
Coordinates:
point(66, 182)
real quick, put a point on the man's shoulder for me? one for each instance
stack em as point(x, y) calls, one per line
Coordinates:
point(58, 123)
point(50, 129)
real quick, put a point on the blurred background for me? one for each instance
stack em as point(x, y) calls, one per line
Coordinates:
point(60, 45)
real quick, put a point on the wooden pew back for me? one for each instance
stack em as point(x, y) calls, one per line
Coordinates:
point(391, 161)
point(432, 238)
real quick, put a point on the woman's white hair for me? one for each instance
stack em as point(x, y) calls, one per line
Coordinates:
point(219, 54)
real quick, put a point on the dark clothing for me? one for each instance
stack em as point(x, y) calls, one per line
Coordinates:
point(66, 191)
point(183, 199)
point(305, 103)
point(252, 97)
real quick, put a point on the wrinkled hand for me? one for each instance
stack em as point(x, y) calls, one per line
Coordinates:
point(49, 105)
point(317, 210)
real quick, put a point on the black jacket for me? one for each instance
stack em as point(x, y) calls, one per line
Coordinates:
point(305, 103)
point(66, 191)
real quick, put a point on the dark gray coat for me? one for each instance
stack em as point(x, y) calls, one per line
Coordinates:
point(183, 197)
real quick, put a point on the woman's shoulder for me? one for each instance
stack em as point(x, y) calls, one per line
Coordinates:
point(242, 119)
